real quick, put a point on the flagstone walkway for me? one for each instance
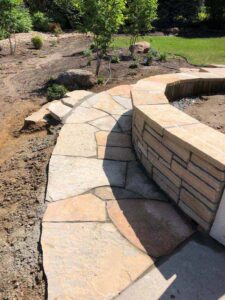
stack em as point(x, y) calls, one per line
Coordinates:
point(106, 222)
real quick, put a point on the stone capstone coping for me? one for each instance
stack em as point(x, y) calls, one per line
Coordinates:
point(183, 156)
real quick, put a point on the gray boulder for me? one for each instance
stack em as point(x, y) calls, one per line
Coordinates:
point(77, 78)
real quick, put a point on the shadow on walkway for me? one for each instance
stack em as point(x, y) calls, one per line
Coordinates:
point(195, 271)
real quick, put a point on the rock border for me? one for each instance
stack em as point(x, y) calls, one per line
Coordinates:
point(183, 156)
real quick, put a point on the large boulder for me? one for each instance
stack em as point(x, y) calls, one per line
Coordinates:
point(77, 78)
point(140, 47)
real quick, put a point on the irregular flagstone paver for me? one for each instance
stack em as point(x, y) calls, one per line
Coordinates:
point(121, 90)
point(113, 139)
point(195, 272)
point(116, 153)
point(59, 111)
point(152, 226)
point(110, 193)
point(107, 123)
point(125, 102)
point(82, 208)
point(74, 98)
point(83, 115)
point(89, 261)
point(76, 140)
point(72, 176)
point(125, 122)
point(106, 103)
point(138, 182)
point(39, 116)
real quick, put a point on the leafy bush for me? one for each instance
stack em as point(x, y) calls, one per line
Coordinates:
point(23, 20)
point(37, 42)
point(148, 59)
point(41, 21)
point(133, 66)
point(115, 59)
point(163, 57)
point(56, 91)
point(13, 18)
point(101, 79)
point(87, 52)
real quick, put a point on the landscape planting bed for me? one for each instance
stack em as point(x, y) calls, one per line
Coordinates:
point(185, 157)
point(209, 109)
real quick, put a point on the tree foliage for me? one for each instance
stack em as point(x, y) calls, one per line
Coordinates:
point(103, 18)
point(13, 18)
point(140, 15)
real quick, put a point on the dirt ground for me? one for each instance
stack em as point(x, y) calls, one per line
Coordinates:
point(209, 110)
point(24, 155)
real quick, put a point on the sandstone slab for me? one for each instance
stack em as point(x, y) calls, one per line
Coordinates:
point(83, 208)
point(195, 272)
point(121, 90)
point(152, 226)
point(123, 101)
point(115, 193)
point(107, 124)
point(125, 122)
point(75, 97)
point(106, 103)
point(76, 140)
point(138, 182)
point(59, 111)
point(116, 153)
point(83, 114)
point(78, 261)
point(113, 139)
point(72, 176)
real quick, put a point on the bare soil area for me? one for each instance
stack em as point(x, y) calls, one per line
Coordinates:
point(209, 110)
point(24, 155)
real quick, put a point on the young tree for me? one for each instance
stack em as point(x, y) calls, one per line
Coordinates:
point(140, 14)
point(13, 18)
point(102, 18)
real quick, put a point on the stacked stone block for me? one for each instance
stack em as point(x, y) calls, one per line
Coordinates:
point(183, 156)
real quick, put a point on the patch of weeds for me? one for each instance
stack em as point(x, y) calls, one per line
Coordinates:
point(101, 79)
point(115, 59)
point(163, 57)
point(134, 65)
point(148, 59)
point(56, 91)
point(53, 43)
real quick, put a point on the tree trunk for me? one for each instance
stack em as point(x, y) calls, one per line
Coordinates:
point(98, 65)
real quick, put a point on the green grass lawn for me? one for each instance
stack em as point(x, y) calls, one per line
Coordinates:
point(198, 51)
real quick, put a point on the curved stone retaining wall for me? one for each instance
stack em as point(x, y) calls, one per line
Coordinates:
point(184, 157)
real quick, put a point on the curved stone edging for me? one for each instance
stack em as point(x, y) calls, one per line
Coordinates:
point(184, 157)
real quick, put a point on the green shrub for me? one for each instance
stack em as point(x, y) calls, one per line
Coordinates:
point(87, 52)
point(115, 59)
point(37, 42)
point(101, 79)
point(148, 59)
point(163, 57)
point(41, 21)
point(56, 91)
point(133, 66)
point(23, 20)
